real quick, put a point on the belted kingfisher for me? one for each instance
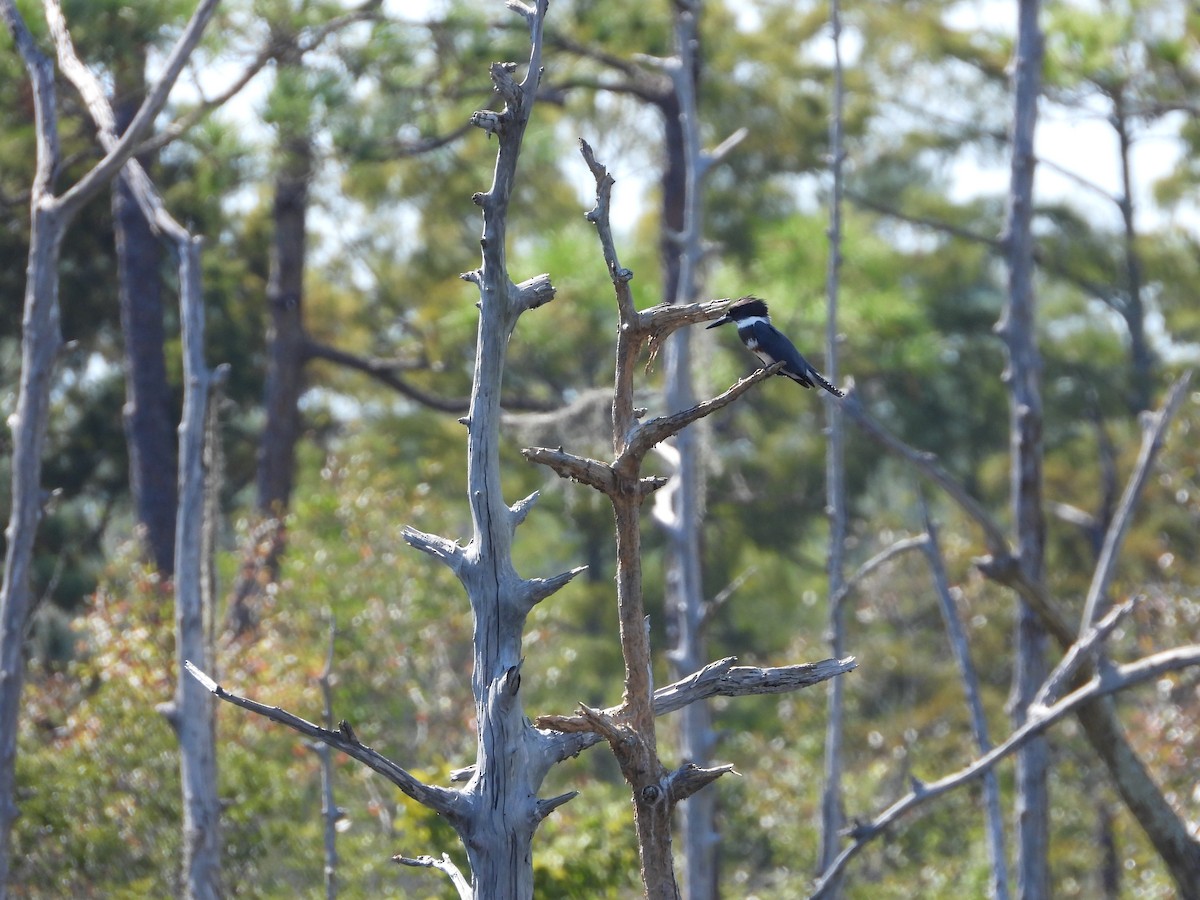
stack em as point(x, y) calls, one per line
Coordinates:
point(769, 344)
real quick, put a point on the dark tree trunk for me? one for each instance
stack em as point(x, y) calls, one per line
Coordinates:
point(149, 425)
point(674, 193)
point(1141, 357)
point(286, 340)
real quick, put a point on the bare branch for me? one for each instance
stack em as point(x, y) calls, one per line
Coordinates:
point(883, 556)
point(445, 864)
point(521, 508)
point(535, 590)
point(549, 805)
point(446, 550)
point(1087, 649)
point(690, 778)
point(1121, 678)
point(599, 216)
point(658, 429)
point(193, 117)
point(960, 647)
point(927, 464)
point(384, 371)
point(1155, 429)
point(534, 292)
point(720, 679)
point(107, 169)
point(447, 803)
point(724, 595)
point(1001, 565)
point(591, 472)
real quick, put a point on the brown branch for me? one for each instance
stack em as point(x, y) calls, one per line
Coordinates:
point(658, 429)
point(591, 472)
point(690, 778)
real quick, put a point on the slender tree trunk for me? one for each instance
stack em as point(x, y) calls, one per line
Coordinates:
point(1134, 310)
point(835, 480)
point(1023, 375)
point(192, 714)
point(681, 236)
point(149, 425)
point(41, 338)
point(40, 342)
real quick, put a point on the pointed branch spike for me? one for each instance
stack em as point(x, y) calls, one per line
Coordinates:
point(491, 122)
point(549, 805)
point(446, 550)
point(690, 778)
point(538, 589)
point(520, 509)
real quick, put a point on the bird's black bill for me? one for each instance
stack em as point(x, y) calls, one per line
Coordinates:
point(720, 321)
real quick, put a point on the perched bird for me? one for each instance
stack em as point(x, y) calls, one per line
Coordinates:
point(769, 344)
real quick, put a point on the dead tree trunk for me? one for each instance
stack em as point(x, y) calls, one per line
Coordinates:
point(49, 217)
point(681, 513)
point(191, 712)
point(1023, 376)
point(835, 481)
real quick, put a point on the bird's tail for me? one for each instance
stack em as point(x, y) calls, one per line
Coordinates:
point(820, 379)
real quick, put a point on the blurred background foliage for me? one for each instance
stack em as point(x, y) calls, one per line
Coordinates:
point(392, 228)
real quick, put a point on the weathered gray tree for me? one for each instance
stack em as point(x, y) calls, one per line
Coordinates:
point(51, 214)
point(1023, 377)
point(191, 711)
point(832, 815)
point(679, 507)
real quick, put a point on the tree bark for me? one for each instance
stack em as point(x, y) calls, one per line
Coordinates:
point(148, 416)
point(40, 341)
point(1023, 376)
point(192, 715)
point(832, 815)
point(681, 231)
point(286, 342)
